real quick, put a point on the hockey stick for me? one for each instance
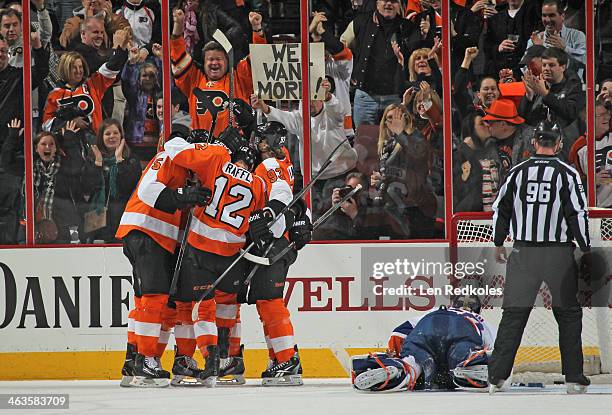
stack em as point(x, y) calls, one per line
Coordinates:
point(220, 37)
point(269, 261)
point(179, 259)
point(298, 196)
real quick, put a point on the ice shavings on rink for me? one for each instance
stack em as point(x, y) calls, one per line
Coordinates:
point(316, 397)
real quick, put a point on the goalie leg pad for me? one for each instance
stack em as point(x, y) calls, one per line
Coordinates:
point(473, 372)
point(377, 372)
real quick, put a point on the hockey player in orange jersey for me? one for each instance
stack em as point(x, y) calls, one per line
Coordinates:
point(208, 90)
point(149, 230)
point(267, 285)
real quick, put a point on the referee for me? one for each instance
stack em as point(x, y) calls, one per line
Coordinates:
point(542, 206)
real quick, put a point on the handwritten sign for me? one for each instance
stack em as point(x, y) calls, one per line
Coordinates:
point(277, 71)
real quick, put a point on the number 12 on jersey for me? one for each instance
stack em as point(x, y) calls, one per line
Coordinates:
point(229, 208)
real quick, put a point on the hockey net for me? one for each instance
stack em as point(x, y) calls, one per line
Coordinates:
point(538, 359)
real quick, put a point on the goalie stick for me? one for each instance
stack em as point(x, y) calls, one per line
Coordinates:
point(269, 261)
point(298, 196)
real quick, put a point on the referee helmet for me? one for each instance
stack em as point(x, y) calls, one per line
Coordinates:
point(547, 133)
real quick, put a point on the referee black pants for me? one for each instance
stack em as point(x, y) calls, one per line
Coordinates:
point(528, 266)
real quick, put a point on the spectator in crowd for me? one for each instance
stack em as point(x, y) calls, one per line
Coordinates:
point(423, 66)
point(555, 94)
point(508, 32)
point(338, 67)
point(603, 155)
point(91, 47)
point(10, 28)
point(557, 35)
point(326, 133)
point(118, 171)
point(177, 115)
point(476, 167)
point(402, 180)
point(351, 221)
point(377, 74)
point(80, 97)
point(201, 85)
point(100, 8)
point(11, 82)
point(141, 85)
point(487, 90)
point(606, 92)
point(190, 25)
point(513, 138)
point(144, 17)
point(59, 182)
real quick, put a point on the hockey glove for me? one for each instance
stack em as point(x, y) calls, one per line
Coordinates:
point(259, 227)
point(231, 138)
point(186, 196)
point(301, 232)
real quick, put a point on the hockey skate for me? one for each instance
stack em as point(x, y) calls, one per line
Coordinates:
point(577, 385)
point(231, 370)
point(127, 371)
point(185, 371)
point(287, 373)
point(208, 376)
point(149, 374)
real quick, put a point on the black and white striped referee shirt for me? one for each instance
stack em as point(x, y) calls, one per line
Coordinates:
point(542, 200)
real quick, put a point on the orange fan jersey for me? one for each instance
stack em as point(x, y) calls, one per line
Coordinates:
point(221, 226)
point(205, 95)
point(87, 97)
point(140, 213)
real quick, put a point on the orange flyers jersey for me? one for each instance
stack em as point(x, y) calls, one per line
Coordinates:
point(87, 97)
point(279, 178)
point(221, 226)
point(280, 172)
point(140, 213)
point(206, 96)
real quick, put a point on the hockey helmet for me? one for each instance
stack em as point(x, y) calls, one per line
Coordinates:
point(274, 132)
point(246, 154)
point(547, 133)
point(198, 136)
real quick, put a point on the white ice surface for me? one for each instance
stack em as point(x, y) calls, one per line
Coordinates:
point(316, 397)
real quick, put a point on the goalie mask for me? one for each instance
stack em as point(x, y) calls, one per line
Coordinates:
point(468, 302)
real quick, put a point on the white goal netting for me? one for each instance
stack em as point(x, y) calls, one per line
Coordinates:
point(538, 359)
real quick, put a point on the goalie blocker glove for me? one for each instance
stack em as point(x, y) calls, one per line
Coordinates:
point(170, 200)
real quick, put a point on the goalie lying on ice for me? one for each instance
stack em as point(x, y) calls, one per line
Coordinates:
point(446, 349)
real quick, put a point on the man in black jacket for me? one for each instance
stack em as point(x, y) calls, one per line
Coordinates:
point(555, 94)
point(519, 18)
point(378, 76)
